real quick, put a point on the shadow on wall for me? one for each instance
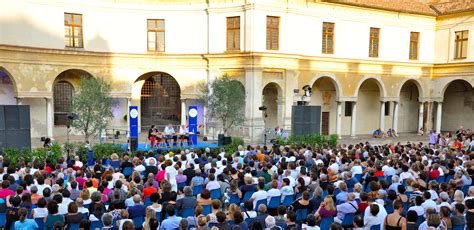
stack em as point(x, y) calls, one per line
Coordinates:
point(41, 78)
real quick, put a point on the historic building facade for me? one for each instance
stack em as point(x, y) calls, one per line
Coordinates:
point(407, 67)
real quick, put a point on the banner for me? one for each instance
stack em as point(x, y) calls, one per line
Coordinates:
point(133, 116)
point(193, 120)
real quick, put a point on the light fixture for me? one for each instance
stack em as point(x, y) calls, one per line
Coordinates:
point(307, 90)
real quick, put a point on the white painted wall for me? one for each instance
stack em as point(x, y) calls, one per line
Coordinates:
point(121, 28)
point(445, 38)
point(408, 109)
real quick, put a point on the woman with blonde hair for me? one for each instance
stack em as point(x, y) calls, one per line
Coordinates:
point(202, 223)
point(232, 209)
point(150, 214)
point(86, 197)
point(123, 218)
point(458, 199)
point(357, 190)
point(326, 209)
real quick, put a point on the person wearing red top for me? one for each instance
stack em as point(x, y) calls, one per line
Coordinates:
point(434, 173)
point(149, 189)
point(5, 192)
point(364, 197)
point(379, 171)
point(457, 145)
point(161, 174)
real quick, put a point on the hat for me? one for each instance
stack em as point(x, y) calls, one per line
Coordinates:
point(270, 221)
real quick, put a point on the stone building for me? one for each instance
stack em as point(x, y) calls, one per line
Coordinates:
point(402, 64)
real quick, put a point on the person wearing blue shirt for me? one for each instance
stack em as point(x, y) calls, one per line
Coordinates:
point(172, 221)
point(23, 223)
point(349, 180)
point(341, 197)
point(138, 209)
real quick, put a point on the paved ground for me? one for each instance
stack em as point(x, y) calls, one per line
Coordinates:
point(403, 138)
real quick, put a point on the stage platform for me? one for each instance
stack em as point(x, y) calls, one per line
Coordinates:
point(199, 145)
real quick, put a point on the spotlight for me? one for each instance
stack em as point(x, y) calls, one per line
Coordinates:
point(262, 108)
point(307, 90)
point(72, 116)
point(296, 91)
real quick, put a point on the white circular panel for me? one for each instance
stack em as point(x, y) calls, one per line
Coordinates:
point(193, 112)
point(133, 113)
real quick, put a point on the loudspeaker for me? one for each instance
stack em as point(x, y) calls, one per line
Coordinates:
point(306, 120)
point(133, 144)
point(15, 126)
point(222, 140)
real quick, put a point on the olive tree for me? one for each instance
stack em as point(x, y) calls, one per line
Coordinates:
point(93, 105)
point(225, 102)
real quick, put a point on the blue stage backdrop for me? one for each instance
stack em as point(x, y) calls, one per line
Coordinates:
point(133, 116)
point(193, 120)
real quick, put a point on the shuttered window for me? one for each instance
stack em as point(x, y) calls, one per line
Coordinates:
point(73, 30)
point(233, 33)
point(374, 42)
point(414, 39)
point(273, 32)
point(328, 38)
point(460, 42)
point(156, 35)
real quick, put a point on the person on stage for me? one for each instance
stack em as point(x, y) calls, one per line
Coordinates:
point(170, 134)
point(151, 136)
point(183, 134)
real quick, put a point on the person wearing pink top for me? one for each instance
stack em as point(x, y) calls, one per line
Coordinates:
point(5, 192)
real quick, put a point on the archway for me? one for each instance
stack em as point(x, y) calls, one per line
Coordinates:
point(458, 106)
point(368, 107)
point(324, 95)
point(64, 88)
point(408, 107)
point(160, 100)
point(7, 89)
point(271, 96)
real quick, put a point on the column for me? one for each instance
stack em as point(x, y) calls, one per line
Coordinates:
point(420, 118)
point(129, 103)
point(280, 111)
point(338, 119)
point(183, 112)
point(49, 117)
point(382, 116)
point(439, 112)
point(395, 116)
point(353, 119)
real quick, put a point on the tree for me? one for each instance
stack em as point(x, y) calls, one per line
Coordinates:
point(225, 100)
point(92, 104)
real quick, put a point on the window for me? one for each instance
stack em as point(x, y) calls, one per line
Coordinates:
point(374, 42)
point(387, 108)
point(414, 37)
point(460, 43)
point(328, 38)
point(156, 35)
point(273, 32)
point(233, 33)
point(73, 30)
point(63, 92)
point(348, 109)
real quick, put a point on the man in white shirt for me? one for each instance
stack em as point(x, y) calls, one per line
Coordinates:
point(286, 189)
point(273, 191)
point(77, 162)
point(356, 168)
point(169, 134)
point(444, 198)
point(417, 207)
point(370, 220)
point(212, 184)
point(261, 194)
point(292, 179)
point(429, 203)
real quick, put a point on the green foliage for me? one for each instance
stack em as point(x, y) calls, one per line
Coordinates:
point(232, 147)
point(93, 105)
point(77, 149)
point(225, 100)
point(311, 139)
point(103, 151)
point(15, 155)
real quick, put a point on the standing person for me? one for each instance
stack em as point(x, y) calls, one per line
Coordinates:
point(433, 138)
point(12, 212)
point(170, 175)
